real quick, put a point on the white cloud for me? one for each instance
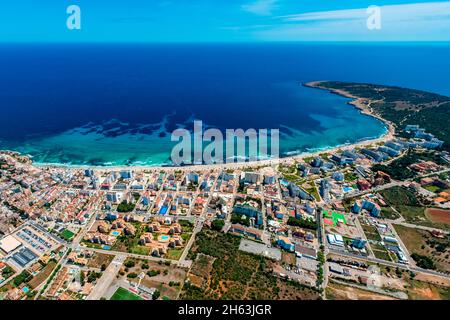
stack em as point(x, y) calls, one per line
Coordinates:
point(260, 7)
point(408, 22)
point(395, 13)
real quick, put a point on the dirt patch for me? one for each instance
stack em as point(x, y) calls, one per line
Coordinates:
point(288, 258)
point(100, 259)
point(340, 292)
point(433, 279)
point(438, 215)
point(420, 290)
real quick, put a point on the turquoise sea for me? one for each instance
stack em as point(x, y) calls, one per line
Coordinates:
point(118, 104)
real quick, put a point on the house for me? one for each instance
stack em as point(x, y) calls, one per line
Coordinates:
point(307, 252)
point(285, 243)
point(250, 232)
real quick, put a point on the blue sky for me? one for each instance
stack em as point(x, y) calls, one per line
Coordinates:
point(223, 20)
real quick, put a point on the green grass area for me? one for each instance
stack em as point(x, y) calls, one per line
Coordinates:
point(400, 196)
point(431, 188)
point(124, 294)
point(142, 250)
point(380, 252)
point(371, 232)
point(389, 213)
point(92, 245)
point(174, 254)
point(313, 191)
point(67, 234)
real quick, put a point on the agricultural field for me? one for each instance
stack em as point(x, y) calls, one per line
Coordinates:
point(42, 275)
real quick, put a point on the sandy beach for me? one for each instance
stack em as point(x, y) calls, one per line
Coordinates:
point(362, 104)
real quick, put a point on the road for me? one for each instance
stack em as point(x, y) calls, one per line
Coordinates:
point(388, 263)
point(182, 262)
point(107, 278)
point(415, 226)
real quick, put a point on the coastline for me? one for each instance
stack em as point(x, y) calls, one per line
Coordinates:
point(362, 104)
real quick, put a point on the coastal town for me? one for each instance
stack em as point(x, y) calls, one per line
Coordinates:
point(365, 221)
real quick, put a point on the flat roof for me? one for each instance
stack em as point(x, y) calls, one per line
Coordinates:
point(23, 257)
point(9, 243)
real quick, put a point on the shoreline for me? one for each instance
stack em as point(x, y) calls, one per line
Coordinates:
point(356, 102)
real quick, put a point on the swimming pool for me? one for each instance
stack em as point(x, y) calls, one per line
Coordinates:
point(347, 189)
point(164, 238)
point(115, 233)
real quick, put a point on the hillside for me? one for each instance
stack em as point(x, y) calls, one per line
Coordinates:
point(401, 106)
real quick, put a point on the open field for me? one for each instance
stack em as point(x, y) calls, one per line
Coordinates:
point(370, 232)
point(423, 243)
point(236, 274)
point(168, 279)
point(100, 259)
point(419, 290)
point(438, 215)
point(336, 291)
point(409, 206)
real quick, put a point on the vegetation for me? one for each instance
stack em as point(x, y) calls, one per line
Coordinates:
point(217, 224)
point(398, 169)
point(404, 106)
point(7, 272)
point(153, 273)
point(67, 235)
point(423, 243)
point(125, 206)
point(302, 223)
point(423, 261)
point(233, 274)
point(241, 219)
point(156, 295)
point(24, 276)
point(406, 203)
point(129, 263)
point(92, 276)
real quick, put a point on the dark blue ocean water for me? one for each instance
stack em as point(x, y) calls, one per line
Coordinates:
point(58, 102)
